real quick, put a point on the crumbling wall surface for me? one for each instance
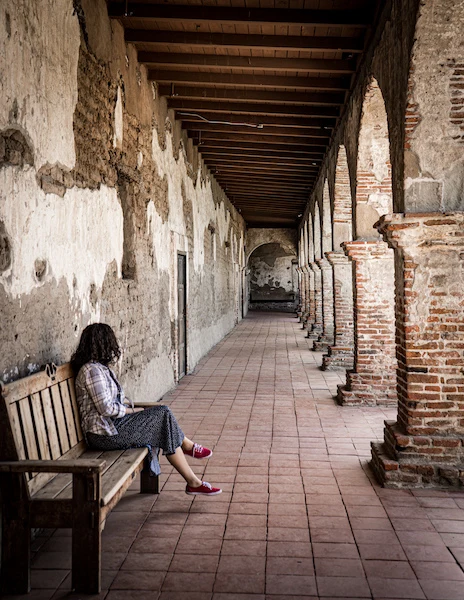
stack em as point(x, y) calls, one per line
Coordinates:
point(97, 198)
point(434, 178)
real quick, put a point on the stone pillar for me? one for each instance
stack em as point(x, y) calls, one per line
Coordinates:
point(317, 325)
point(327, 336)
point(425, 447)
point(301, 288)
point(340, 354)
point(373, 379)
point(305, 304)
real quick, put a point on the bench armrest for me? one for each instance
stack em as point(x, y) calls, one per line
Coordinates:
point(89, 465)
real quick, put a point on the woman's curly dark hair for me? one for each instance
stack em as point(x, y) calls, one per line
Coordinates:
point(98, 343)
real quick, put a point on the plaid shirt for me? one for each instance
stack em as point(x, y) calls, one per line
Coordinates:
point(100, 398)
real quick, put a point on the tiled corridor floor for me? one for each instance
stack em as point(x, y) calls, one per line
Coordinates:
point(300, 516)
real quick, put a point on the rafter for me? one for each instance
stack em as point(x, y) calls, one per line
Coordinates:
point(203, 14)
point(257, 166)
point(245, 108)
point(268, 135)
point(280, 149)
point(261, 150)
point(193, 39)
point(289, 157)
point(246, 95)
point(341, 83)
point(248, 63)
point(322, 124)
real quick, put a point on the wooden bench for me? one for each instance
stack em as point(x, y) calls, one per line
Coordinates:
point(49, 479)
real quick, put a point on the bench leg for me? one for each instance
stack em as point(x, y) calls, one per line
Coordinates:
point(16, 541)
point(149, 484)
point(86, 534)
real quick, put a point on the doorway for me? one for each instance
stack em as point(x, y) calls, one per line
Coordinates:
point(182, 314)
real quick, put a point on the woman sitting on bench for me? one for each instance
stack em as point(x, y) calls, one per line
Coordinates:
point(109, 423)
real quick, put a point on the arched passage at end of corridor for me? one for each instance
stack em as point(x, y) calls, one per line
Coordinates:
point(273, 279)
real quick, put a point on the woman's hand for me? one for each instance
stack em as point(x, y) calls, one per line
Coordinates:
point(137, 409)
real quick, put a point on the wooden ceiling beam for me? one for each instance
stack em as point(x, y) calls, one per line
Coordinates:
point(341, 83)
point(281, 157)
point(246, 95)
point(155, 37)
point(269, 189)
point(246, 108)
point(250, 182)
point(259, 122)
point(267, 135)
point(261, 150)
point(281, 149)
point(254, 167)
point(287, 181)
point(252, 160)
point(236, 15)
point(248, 63)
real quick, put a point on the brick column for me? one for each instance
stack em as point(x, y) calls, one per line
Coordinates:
point(301, 289)
point(327, 336)
point(316, 327)
point(425, 447)
point(373, 379)
point(340, 354)
point(305, 304)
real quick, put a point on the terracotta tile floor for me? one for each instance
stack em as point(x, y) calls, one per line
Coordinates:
point(300, 516)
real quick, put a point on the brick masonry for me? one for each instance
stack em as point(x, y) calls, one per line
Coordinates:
point(425, 447)
point(373, 380)
point(327, 336)
point(317, 325)
point(340, 354)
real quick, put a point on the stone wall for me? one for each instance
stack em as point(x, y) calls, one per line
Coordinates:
point(99, 192)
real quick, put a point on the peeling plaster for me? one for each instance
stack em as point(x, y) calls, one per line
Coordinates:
point(86, 228)
point(44, 34)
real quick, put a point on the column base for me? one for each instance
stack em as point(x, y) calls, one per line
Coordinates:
point(418, 461)
point(314, 332)
point(322, 343)
point(367, 389)
point(338, 358)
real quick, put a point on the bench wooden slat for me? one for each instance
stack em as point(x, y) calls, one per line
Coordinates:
point(117, 474)
point(60, 419)
point(39, 425)
point(55, 450)
point(13, 411)
point(75, 408)
point(24, 408)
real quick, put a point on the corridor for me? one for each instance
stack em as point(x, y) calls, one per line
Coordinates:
point(300, 515)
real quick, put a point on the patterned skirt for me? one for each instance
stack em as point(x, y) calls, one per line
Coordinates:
point(155, 427)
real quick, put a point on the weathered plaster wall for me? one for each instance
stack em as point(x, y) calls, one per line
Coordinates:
point(434, 178)
point(99, 191)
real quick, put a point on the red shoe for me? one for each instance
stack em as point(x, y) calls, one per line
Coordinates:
point(199, 452)
point(205, 489)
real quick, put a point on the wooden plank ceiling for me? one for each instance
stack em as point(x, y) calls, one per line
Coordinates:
point(258, 85)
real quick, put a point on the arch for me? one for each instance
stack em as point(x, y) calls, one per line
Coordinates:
point(273, 280)
point(373, 177)
point(343, 206)
point(326, 220)
point(317, 233)
point(256, 237)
